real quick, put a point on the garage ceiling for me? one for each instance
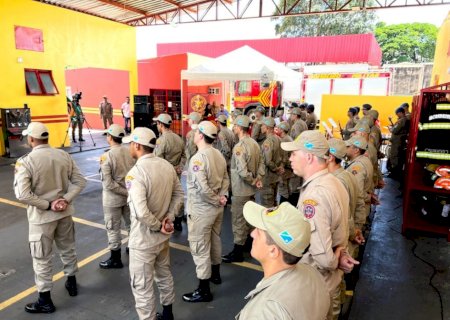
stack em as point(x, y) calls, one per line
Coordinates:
point(159, 12)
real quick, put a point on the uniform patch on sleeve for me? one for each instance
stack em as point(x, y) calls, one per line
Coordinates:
point(158, 142)
point(128, 182)
point(17, 166)
point(309, 208)
point(355, 170)
point(102, 158)
point(238, 151)
point(266, 146)
point(196, 165)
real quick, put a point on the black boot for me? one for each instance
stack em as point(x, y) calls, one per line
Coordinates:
point(74, 140)
point(166, 314)
point(81, 139)
point(177, 224)
point(114, 262)
point(235, 255)
point(215, 274)
point(201, 294)
point(44, 304)
point(71, 286)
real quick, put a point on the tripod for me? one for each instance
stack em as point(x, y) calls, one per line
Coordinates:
point(88, 126)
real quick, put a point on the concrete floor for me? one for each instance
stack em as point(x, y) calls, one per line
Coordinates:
point(393, 283)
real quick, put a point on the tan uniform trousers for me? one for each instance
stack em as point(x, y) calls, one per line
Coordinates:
point(113, 221)
point(335, 306)
point(268, 195)
point(204, 241)
point(41, 237)
point(107, 119)
point(240, 227)
point(144, 266)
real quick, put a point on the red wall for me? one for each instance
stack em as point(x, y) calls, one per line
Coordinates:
point(161, 73)
point(94, 83)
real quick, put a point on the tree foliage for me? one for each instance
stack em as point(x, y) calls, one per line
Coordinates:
point(407, 42)
point(327, 24)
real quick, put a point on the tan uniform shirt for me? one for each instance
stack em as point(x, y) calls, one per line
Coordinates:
point(225, 142)
point(325, 203)
point(311, 121)
point(190, 148)
point(170, 147)
point(375, 136)
point(43, 175)
point(349, 125)
point(362, 169)
point(247, 165)
point(256, 132)
point(106, 110)
point(271, 151)
point(298, 127)
point(154, 192)
point(294, 293)
point(114, 165)
point(207, 181)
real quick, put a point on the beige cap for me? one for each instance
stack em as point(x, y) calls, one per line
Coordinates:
point(358, 142)
point(268, 121)
point(163, 118)
point(373, 113)
point(261, 109)
point(284, 126)
point(236, 112)
point(310, 141)
point(242, 121)
point(141, 136)
point(296, 111)
point(361, 127)
point(195, 116)
point(36, 130)
point(222, 118)
point(285, 225)
point(208, 129)
point(367, 120)
point(116, 131)
point(337, 148)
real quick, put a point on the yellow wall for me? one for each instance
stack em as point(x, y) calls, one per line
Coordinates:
point(441, 67)
point(71, 40)
point(336, 107)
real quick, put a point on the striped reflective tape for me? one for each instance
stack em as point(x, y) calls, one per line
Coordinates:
point(434, 126)
point(432, 155)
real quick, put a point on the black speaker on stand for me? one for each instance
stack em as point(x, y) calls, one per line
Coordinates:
point(143, 112)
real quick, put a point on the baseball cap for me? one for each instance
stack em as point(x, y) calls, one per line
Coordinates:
point(242, 121)
point(236, 112)
point(310, 141)
point(400, 109)
point(268, 121)
point(141, 136)
point(358, 142)
point(222, 118)
point(261, 109)
point(373, 113)
point(296, 111)
point(337, 148)
point(163, 118)
point(361, 127)
point(36, 130)
point(116, 131)
point(208, 129)
point(284, 126)
point(194, 116)
point(285, 225)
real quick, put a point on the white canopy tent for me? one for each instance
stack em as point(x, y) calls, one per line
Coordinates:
point(246, 63)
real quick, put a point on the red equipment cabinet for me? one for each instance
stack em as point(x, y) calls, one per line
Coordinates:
point(416, 176)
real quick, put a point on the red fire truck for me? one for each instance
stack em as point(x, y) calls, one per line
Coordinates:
point(250, 94)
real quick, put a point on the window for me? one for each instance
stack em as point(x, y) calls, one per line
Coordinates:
point(40, 82)
point(213, 90)
point(244, 87)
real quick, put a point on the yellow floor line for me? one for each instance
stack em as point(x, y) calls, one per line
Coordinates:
point(93, 257)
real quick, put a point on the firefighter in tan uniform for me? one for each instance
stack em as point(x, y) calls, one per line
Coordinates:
point(311, 119)
point(351, 123)
point(48, 180)
point(225, 139)
point(170, 147)
point(325, 203)
point(154, 197)
point(289, 290)
point(299, 125)
point(207, 191)
point(399, 135)
point(338, 153)
point(271, 152)
point(361, 167)
point(114, 165)
point(190, 149)
point(257, 134)
point(247, 171)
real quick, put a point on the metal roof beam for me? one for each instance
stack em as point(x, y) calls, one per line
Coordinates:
point(178, 5)
point(123, 6)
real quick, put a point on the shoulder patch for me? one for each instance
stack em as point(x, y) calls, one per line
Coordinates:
point(128, 182)
point(196, 165)
point(309, 208)
point(310, 202)
point(238, 150)
point(102, 158)
point(158, 141)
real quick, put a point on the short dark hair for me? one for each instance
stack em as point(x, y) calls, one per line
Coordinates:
point(310, 107)
point(287, 257)
point(167, 126)
point(337, 160)
point(244, 129)
point(148, 149)
point(116, 139)
point(208, 140)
